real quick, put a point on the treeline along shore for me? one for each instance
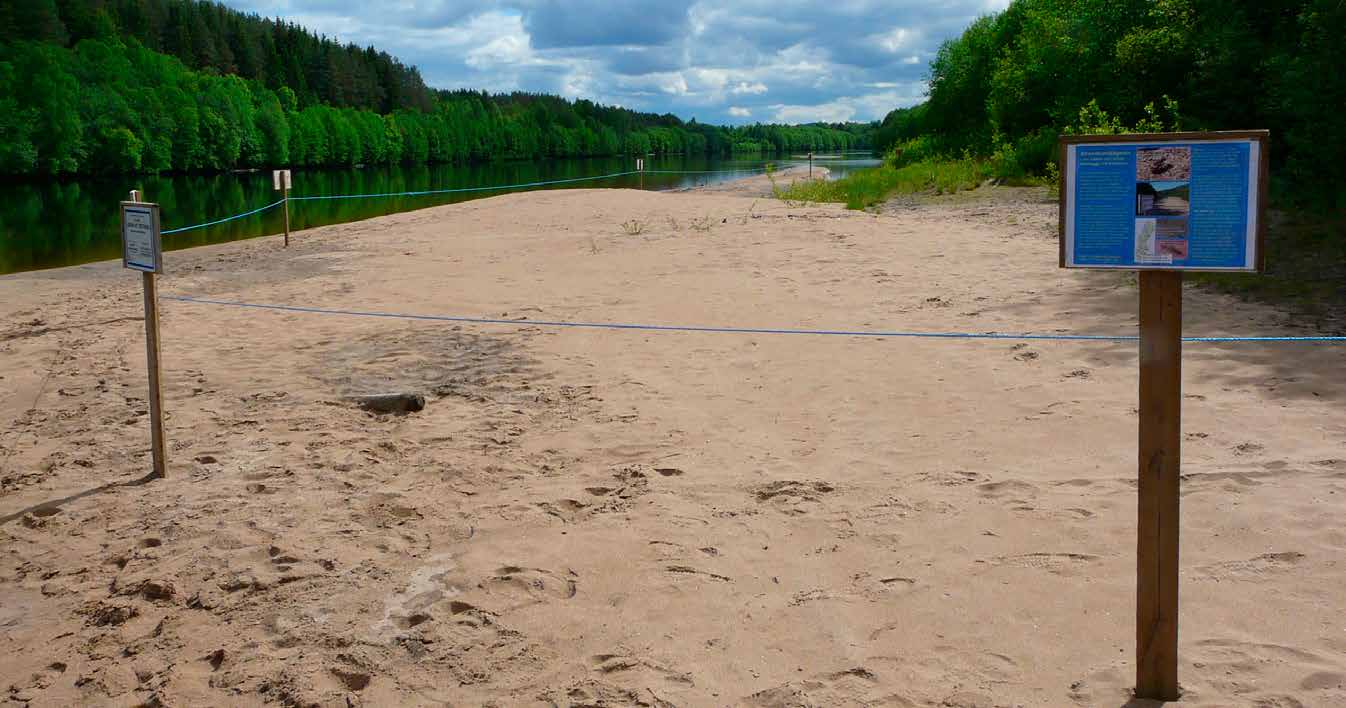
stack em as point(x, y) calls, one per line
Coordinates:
point(126, 86)
point(1015, 80)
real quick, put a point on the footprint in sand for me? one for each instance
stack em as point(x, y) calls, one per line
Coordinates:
point(953, 478)
point(623, 662)
point(1218, 657)
point(1321, 680)
point(1253, 568)
point(530, 584)
point(1010, 489)
point(590, 692)
point(1337, 466)
point(790, 496)
point(1023, 353)
point(668, 550)
point(1248, 448)
point(1099, 686)
point(857, 685)
point(877, 587)
point(1055, 563)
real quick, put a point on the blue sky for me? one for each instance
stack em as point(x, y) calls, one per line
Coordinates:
point(732, 62)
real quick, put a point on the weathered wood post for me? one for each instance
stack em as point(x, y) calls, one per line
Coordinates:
point(142, 250)
point(1160, 465)
point(280, 179)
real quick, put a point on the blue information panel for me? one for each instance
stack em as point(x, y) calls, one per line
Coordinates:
point(1185, 204)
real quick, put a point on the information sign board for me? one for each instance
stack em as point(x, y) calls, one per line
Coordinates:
point(1167, 201)
point(142, 249)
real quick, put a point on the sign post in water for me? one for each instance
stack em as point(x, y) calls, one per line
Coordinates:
point(1162, 204)
point(142, 250)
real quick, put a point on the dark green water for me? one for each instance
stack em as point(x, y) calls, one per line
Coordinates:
point(60, 223)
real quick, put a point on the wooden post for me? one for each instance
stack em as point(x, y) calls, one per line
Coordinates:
point(1160, 461)
point(810, 165)
point(285, 197)
point(158, 447)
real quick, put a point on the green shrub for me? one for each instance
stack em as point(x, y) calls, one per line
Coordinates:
point(912, 151)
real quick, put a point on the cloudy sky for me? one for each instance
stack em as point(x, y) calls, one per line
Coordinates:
point(732, 61)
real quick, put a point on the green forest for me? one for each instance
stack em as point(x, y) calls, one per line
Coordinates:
point(125, 86)
point(1014, 81)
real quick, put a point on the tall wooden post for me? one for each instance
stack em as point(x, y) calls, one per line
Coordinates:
point(285, 198)
point(1160, 462)
point(810, 165)
point(158, 446)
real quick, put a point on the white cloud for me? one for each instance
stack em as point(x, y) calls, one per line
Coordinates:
point(716, 60)
point(860, 107)
point(896, 39)
point(831, 112)
point(502, 51)
point(743, 87)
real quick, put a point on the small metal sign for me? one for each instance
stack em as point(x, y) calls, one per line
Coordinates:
point(142, 248)
point(640, 164)
point(281, 178)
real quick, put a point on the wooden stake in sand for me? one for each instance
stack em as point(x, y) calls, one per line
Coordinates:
point(810, 165)
point(1162, 204)
point(640, 167)
point(280, 179)
point(142, 250)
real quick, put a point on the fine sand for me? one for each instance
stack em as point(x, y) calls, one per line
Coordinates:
point(652, 518)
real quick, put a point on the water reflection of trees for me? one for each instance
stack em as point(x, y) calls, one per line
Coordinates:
point(55, 223)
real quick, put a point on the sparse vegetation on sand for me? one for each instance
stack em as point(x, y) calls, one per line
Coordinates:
point(866, 188)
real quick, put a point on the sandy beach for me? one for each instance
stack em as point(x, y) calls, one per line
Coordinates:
point(599, 517)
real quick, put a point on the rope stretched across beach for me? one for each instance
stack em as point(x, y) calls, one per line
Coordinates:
point(741, 330)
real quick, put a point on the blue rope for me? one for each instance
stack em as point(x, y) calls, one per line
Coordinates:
point(180, 229)
point(738, 330)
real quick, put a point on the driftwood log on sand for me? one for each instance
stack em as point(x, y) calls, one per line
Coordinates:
point(391, 402)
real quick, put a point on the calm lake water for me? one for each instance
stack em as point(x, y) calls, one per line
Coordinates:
point(60, 223)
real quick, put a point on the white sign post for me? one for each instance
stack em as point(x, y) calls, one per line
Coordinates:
point(142, 250)
point(640, 167)
point(280, 179)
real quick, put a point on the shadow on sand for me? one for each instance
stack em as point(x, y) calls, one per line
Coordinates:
point(1108, 303)
point(52, 506)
